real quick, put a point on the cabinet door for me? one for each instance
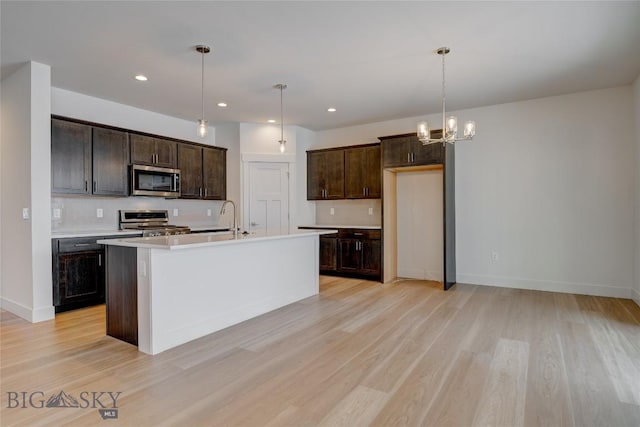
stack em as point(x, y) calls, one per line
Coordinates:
point(70, 157)
point(426, 154)
point(190, 165)
point(315, 178)
point(214, 174)
point(80, 279)
point(334, 174)
point(166, 153)
point(355, 173)
point(143, 151)
point(396, 152)
point(328, 253)
point(371, 257)
point(349, 255)
point(110, 162)
point(373, 173)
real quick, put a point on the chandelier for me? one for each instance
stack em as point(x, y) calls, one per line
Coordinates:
point(282, 141)
point(449, 124)
point(202, 123)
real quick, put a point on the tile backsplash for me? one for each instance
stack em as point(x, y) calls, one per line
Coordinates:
point(349, 212)
point(80, 213)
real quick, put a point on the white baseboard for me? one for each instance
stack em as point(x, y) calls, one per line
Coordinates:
point(635, 296)
point(419, 274)
point(32, 315)
point(547, 285)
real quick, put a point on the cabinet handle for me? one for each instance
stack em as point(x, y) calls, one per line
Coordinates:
point(358, 234)
point(95, 186)
point(156, 161)
point(99, 260)
point(408, 157)
point(205, 192)
point(85, 186)
point(364, 191)
point(79, 245)
point(199, 191)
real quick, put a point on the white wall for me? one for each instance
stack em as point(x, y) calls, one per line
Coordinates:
point(636, 117)
point(546, 186)
point(26, 171)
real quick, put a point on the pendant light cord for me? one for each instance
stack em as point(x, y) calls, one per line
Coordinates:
point(281, 117)
point(444, 120)
point(202, 85)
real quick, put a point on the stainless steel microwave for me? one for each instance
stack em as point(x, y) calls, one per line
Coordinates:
point(154, 181)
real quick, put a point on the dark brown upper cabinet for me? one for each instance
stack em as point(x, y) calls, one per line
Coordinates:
point(70, 157)
point(214, 173)
point(407, 150)
point(325, 174)
point(152, 151)
point(202, 172)
point(362, 172)
point(88, 160)
point(110, 162)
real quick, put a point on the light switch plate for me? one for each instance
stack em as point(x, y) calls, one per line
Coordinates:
point(370, 211)
point(175, 212)
point(56, 213)
point(208, 212)
point(99, 213)
point(332, 211)
point(25, 213)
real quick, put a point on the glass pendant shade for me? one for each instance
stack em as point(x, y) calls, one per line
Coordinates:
point(423, 131)
point(203, 129)
point(469, 129)
point(452, 127)
point(282, 143)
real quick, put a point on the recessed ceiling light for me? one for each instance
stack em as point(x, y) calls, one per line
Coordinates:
point(271, 121)
point(222, 104)
point(331, 110)
point(141, 78)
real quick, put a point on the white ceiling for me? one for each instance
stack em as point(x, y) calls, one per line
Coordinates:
point(373, 61)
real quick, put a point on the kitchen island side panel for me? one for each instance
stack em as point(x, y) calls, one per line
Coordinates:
point(121, 294)
point(185, 294)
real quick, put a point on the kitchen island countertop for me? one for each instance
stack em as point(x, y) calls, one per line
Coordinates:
point(188, 241)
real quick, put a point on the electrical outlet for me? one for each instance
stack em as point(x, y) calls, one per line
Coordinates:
point(57, 213)
point(208, 212)
point(25, 213)
point(99, 213)
point(495, 257)
point(175, 212)
point(370, 211)
point(332, 211)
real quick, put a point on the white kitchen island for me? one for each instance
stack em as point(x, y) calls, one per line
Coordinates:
point(166, 291)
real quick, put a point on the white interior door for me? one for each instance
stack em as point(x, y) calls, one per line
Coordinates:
point(268, 198)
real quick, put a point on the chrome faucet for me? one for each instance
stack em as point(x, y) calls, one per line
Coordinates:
point(235, 221)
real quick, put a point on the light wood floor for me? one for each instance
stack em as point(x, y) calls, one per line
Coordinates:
point(360, 353)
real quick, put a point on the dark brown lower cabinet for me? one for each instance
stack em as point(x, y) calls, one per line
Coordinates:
point(328, 253)
point(78, 273)
point(352, 252)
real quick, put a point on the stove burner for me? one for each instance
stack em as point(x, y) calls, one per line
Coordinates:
point(151, 222)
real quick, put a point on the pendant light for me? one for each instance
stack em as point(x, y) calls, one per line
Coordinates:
point(203, 129)
point(282, 141)
point(449, 124)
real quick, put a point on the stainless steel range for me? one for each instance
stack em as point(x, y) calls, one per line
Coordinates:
point(150, 222)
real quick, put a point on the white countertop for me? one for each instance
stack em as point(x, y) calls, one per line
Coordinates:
point(93, 233)
point(323, 227)
point(96, 233)
point(187, 241)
